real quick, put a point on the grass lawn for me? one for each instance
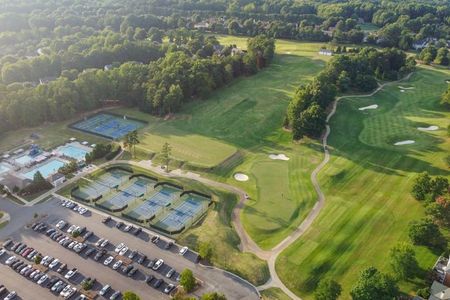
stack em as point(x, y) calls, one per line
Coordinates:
point(369, 27)
point(51, 135)
point(247, 117)
point(274, 294)
point(367, 184)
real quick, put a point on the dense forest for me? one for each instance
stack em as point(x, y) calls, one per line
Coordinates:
point(61, 57)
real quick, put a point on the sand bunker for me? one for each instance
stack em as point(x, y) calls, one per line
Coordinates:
point(448, 81)
point(240, 177)
point(407, 142)
point(405, 88)
point(288, 52)
point(373, 106)
point(402, 91)
point(278, 156)
point(429, 128)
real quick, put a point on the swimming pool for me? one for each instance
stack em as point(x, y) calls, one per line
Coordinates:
point(73, 151)
point(23, 160)
point(4, 168)
point(46, 169)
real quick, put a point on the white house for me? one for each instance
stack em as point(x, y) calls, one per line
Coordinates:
point(326, 52)
point(439, 292)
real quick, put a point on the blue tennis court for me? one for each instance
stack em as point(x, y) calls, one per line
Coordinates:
point(91, 191)
point(183, 215)
point(108, 125)
point(113, 178)
point(154, 205)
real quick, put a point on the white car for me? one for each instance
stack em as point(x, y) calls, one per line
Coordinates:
point(119, 247)
point(34, 273)
point(71, 273)
point(48, 261)
point(117, 264)
point(108, 260)
point(42, 279)
point(158, 264)
point(56, 285)
point(82, 210)
point(99, 242)
point(53, 264)
point(61, 224)
point(71, 228)
point(104, 243)
point(123, 251)
point(10, 260)
point(104, 290)
point(71, 245)
point(11, 295)
point(2, 251)
point(65, 290)
point(70, 293)
point(63, 240)
point(183, 250)
point(25, 269)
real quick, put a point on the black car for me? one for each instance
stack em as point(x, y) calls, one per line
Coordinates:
point(151, 263)
point(126, 269)
point(119, 224)
point(132, 272)
point(137, 231)
point(87, 235)
point(168, 245)
point(158, 283)
point(100, 254)
point(61, 268)
point(149, 278)
point(52, 281)
point(141, 259)
point(90, 251)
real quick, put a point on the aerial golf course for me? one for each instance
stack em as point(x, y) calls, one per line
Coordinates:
point(366, 183)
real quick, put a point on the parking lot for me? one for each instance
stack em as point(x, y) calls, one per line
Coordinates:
point(211, 279)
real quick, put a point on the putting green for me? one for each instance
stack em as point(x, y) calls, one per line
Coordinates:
point(367, 183)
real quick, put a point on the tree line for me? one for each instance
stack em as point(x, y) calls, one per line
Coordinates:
point(189, 70)
point(358, 71)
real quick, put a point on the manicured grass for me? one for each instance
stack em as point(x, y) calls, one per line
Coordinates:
point(369, 27)
point(274, 294)
point(247, 116)
point(367, 186)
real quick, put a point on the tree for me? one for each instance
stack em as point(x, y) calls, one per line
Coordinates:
point(213, 296)
point(439, 210)
point(310, 122)
point(422, 186)
point(327, 290)
point(187, 280)
point(439, 186)
point(372, 284)
point(425, 232)
point(442, 57)
point(403, 261)
point(128, 295)
point(205, 251)
point(131, 139)
point(166, 152)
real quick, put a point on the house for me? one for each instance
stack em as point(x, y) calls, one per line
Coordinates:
point(202, 25)
point(57, 179)
point(108, 67)
point(442, 270)
point(439, 291)
point(419, 45)
point(11, 181)
point(236, 51)
point(325, 52)
point(46, 80)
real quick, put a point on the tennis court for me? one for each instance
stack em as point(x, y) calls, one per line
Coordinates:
point(108, 125)
point(90, 191)
point(155, 205)
point(113, 178)
point(183, 215)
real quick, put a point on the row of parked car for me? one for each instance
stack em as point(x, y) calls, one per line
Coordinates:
point(11, 295)
point(31, 272)
point(73, 206)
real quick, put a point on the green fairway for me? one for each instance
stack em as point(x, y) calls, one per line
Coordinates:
point(247, 117)
point(367, 185)
point(274, 294)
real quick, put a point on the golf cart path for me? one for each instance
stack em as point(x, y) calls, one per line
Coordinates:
point(247, 244)
point(300, 230)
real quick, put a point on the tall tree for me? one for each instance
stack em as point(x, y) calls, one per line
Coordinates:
point(131, 139)
point(327, 290)
point(187, 280)
point(403, 261)
point(372, 284)
point(166, 152)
